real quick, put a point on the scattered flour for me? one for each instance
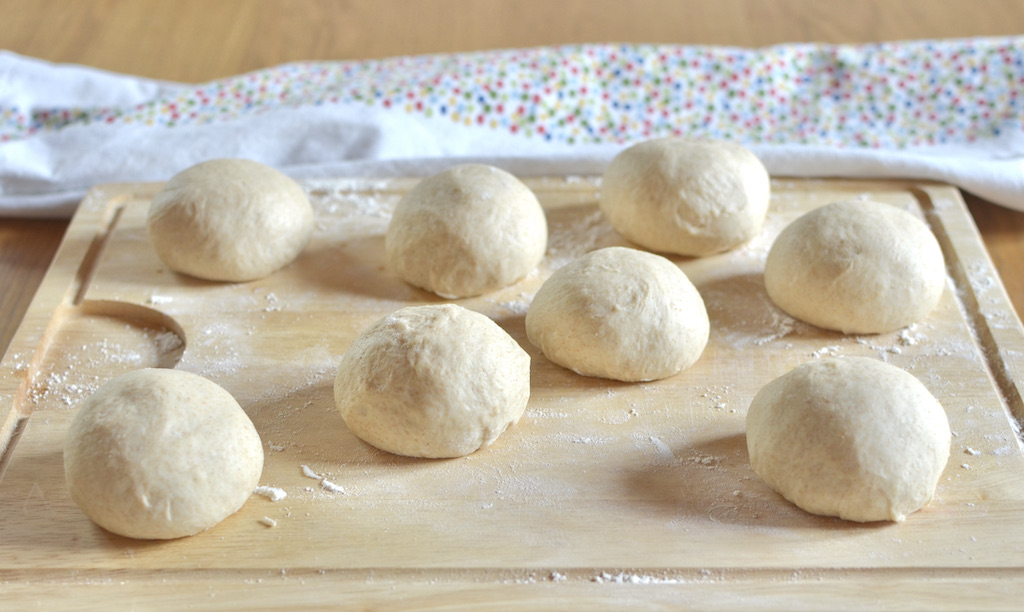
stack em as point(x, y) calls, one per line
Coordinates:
point(157, 300)
point(167, 342)
point(575, 237)
point(708, 461)
point(518, 306)
point(72, 377)
point(663, 450)
point(369, 204)
point(329, 486)
point(627, 578)
point(309, 473)
point(325, 484)
point(272, 493)
point(273, 304)
point(353, 198)
point(826, 351)
point(780, 326)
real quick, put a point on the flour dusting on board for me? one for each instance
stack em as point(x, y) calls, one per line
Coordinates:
point(575, 232)
point(591, 469)
point(272, 493)
point(93, 358)
point(325, 484)
point(346, 199)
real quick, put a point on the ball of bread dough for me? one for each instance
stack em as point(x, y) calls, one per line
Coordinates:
point(466, 231)
point(690, 197)
point(857, 267)
point(432, 381)
point(619, 313)
point(229, 220)
point(849, 437)
point(160, 454)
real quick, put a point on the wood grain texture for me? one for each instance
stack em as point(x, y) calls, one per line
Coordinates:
point(1003, 233)
point(617, 495)
point(26, 249)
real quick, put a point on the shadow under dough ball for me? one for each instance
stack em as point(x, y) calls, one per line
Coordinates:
point(858, 267)
point(850, 437)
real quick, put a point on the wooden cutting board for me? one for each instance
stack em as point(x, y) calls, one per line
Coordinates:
point(605, 494)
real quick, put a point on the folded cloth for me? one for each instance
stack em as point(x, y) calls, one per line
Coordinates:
point(946, 110)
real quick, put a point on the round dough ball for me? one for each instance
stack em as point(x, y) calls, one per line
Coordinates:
point(856, 267)
point(619, 313)
point(432, 381)
point(160, 454)
point(850, 437)
point(229, 220)
point(690, 197)
point(466, 231)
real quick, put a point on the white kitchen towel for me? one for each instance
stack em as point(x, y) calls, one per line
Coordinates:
point(946, 110)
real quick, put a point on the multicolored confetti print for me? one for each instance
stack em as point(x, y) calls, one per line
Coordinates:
point(891, 95)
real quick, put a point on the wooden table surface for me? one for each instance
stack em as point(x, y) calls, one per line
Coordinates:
point(199, 40)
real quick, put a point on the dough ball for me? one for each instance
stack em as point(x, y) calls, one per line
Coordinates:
point(160, 454)
point(229, 220)
point(856, 267)
point(466, 231)
point(619, 313)
point(432, 381)
point(851, 437)
point(690, 197)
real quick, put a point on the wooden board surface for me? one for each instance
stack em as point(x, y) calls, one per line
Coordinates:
point(605, 493)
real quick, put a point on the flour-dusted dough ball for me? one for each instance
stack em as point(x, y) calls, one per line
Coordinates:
point(466, 231)
point(160, 454)
point(432, 381)
point(850, 437)
point(229, 220)
point(690, 197)
point(857, 267)
point(619, 313)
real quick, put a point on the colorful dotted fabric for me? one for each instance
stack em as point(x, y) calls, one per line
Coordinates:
point(891, 95)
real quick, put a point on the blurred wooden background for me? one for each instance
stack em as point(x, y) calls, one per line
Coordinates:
point(196, 40)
